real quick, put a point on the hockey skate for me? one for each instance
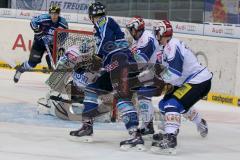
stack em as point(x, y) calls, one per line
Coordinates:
point(159, 136)
point(147, 129)
point(85, 133)
point(135, 142)
point(167, 145)
point(19, 71)
point(203, 128)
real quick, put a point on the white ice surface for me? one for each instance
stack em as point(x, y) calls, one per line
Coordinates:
point(26, 135)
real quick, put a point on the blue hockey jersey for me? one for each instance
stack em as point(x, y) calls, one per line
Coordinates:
point(110, 38)
point(45, 24)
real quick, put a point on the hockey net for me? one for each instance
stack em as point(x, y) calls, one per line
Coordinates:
point(65, 38)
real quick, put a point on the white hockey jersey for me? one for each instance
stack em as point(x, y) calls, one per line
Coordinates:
point(145, 49)
point(81, 79)
point(182, 65)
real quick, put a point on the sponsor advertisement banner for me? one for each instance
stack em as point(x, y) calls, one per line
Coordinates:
point(222, 11)
point(211, 51)
point(70, 17)
point(221, 30)
point(4, 12)
point(29, 4)
point(223, 98)
point(73, 6)
point(28, 14)
point(16, 40)
point(83, 19)
point(209, 29)
point(188, 28)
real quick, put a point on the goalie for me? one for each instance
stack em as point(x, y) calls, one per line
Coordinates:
point(74, 71)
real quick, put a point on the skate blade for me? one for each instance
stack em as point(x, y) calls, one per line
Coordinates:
point(85, 139)
point(169, 151)
point(139, 147)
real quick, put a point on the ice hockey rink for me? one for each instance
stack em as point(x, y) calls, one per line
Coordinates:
point(27, 135)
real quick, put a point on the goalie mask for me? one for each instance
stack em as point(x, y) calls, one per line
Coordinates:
point(81, 55)
point(86, 50)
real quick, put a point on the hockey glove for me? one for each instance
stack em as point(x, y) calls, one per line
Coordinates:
point(146, 77)
point(37, 31)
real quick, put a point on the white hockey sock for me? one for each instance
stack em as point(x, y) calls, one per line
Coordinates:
point(172, 122)
point(146, 110)
point(193, 116)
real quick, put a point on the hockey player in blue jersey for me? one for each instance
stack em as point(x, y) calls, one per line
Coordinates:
point(116, 57)
point(191, 82)
point(145, 48)
point(43, 27)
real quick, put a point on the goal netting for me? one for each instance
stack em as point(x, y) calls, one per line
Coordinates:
point(65, 38)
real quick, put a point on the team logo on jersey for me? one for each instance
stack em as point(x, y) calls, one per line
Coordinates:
point(29, 4)
point(112, 66)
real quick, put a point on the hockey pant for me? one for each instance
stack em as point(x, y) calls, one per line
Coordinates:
point(179, 101)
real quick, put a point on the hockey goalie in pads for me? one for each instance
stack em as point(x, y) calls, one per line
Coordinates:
point(75, 69)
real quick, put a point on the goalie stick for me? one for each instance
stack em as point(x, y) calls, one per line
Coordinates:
point(57, 98)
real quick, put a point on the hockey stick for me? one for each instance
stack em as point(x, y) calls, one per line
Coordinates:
point(46, 70)
point(60, 99)
point(48, 51)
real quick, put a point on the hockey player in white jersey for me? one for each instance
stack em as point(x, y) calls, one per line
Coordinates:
point(144, 48)
point(191, 82)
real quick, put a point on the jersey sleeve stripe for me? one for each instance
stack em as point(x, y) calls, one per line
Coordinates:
point(177, 62)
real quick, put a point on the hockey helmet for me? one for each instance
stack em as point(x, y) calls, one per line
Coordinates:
point(96, 9)
point(137, 23)
point(54, 9)
point(164, 28)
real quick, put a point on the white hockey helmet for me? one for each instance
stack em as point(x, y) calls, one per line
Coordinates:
point(136, 22)
point(164, 28)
